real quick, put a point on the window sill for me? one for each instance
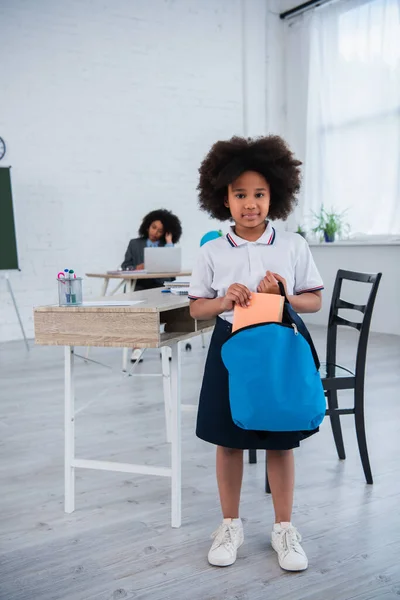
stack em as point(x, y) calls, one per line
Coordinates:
point(388, 241)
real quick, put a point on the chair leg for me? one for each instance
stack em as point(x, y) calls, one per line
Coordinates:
point(360, 431)
point(252, 457)
point(267, 488)
point(335, 423)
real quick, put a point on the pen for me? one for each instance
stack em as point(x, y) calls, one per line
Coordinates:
point(68, 292)
point(71, 275)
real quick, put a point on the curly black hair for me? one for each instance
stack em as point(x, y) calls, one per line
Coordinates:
point(170, 222)
point(227, 160)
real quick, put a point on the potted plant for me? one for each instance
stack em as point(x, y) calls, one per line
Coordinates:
point(301, 231)
point(329, 223)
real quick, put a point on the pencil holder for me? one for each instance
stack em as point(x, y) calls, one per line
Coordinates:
point(70, 291)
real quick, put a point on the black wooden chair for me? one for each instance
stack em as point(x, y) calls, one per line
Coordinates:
point(336, 377)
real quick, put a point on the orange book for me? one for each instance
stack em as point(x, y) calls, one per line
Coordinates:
point(264, 308)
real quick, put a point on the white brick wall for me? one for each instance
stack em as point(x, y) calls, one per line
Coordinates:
point(107, 108)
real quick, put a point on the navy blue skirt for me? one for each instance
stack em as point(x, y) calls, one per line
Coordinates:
point(214, 418)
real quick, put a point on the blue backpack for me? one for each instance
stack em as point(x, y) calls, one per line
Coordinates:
point(274, 383)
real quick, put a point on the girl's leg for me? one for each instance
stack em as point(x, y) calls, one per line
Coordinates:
point(229, 477)
point(229, 535)
point(281, 480)
point(285, 538)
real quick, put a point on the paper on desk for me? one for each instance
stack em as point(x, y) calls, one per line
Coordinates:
point(112, 303)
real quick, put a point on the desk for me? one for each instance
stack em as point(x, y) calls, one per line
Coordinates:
point(130, 279)
point(123, 326)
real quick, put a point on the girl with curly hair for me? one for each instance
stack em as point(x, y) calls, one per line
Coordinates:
point(251, 182)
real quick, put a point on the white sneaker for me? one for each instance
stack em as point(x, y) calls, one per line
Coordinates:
point(227, 539)
point(285, 540)
point(137, 356)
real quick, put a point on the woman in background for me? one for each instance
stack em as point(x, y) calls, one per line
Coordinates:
point(160, 228)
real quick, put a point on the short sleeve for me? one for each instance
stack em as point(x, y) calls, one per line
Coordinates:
point(307, 277)
point(201, 279)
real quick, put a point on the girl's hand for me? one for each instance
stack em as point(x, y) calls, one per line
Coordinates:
point(168, 238)
point(139, 267)
point(237, 294)
point(269, 285)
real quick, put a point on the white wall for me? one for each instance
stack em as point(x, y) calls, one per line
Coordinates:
point(365, 259)
point(107, 109)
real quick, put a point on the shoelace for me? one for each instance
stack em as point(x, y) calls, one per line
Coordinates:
point(291, 539)
point(225, 535)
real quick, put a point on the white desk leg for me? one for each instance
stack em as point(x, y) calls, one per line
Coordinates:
point(166, 374)
point(176, 482)
point(69, 430)
point(105, 286)
point(125, 359)
point(130, 285)
point(203, 340)
point(103, 293)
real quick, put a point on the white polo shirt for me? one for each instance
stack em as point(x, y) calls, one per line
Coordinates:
point(231, 259)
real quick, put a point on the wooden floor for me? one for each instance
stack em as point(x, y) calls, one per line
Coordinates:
point(119, 544)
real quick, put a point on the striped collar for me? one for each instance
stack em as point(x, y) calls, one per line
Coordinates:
point(267, 238)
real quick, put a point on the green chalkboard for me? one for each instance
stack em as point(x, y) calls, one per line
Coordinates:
point(8, 241)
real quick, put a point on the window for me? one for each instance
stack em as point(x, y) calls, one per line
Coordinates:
point(353, 114)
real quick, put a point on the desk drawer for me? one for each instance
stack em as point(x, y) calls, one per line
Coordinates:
point(95, 328)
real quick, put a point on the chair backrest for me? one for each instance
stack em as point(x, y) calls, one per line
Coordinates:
point(363, 326)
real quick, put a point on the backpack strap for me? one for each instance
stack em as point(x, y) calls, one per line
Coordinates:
point(291, 315)
point(282, 290)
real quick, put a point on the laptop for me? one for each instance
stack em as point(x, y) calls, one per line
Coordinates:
point(162, 260)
